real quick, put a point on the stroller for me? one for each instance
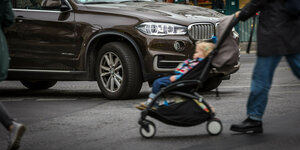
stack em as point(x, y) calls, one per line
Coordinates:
point(191, 109)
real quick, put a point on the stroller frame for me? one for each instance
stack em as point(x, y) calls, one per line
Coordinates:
point(192, 78)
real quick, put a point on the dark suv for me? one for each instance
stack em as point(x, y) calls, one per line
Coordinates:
point(118, 43)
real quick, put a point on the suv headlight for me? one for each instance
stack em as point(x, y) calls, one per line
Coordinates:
point(153, 28)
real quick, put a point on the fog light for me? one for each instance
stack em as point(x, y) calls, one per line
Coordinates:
point(179, 46)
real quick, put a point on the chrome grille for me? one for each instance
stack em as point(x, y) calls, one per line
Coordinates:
point(201, 31)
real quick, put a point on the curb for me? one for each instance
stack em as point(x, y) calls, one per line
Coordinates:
point(244, 46)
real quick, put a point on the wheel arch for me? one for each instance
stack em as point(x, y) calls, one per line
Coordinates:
point(98, 40)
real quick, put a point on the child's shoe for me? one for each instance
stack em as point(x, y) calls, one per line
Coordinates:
point(142, 106)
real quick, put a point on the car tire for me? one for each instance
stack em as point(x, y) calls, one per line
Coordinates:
point(38, 85)
point(121, 79)
point(210, 84)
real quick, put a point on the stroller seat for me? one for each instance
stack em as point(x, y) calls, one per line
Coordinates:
point(193, 109)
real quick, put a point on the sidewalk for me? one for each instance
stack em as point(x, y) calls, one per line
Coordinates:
point(244, 46)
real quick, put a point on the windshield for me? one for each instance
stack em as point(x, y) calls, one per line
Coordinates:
point(110, 1)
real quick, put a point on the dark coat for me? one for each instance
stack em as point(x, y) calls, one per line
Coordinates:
point(6, 19)
point(278, 33)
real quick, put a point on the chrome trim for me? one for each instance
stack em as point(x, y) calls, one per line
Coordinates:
point(68, 54)
point(198, 31)
point(237, 65)
point(36, 10)
point(48, 71)
point(216, 26)
point(171, 61)
point(155, 64)
point(46, 11)
point(68, 3)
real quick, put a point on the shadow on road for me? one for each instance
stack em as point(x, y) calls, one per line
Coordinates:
point(49, 93)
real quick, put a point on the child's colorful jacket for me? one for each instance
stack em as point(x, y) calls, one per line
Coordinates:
point(185, 66)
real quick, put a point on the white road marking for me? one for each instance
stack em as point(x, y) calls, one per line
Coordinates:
point(11, 100)
point(248, 86)
point(55, 99)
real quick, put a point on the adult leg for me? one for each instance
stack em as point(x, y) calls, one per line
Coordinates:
point(4, 63)
point(5, 118)
point(16, 130)
point(261, 83)
point(294, 62)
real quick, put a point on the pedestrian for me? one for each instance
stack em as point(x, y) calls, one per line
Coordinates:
point(14, 128)
point(278, 35)
point(202, 50)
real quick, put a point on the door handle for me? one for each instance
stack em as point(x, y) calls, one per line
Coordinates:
point(19, 19)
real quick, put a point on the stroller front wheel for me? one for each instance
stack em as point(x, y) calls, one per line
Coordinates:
point(214, 126)
point(147, 129)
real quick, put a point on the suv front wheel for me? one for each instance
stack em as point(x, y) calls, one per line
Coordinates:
point(118, 72)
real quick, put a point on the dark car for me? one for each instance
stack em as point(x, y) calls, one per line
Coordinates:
point(118, 43)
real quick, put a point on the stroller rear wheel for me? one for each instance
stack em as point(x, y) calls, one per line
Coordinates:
point(214, 126)
point(147, 129)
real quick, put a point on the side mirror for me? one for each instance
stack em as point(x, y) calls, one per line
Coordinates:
point(51, 4)
point(64, 7)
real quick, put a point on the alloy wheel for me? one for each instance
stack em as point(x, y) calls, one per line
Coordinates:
point(111, 71)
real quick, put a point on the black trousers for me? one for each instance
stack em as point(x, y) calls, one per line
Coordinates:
point(5, 118)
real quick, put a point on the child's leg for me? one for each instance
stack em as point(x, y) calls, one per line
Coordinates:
point(144, 105)
point(212, 108)
point(156, 86)
point(159, 83)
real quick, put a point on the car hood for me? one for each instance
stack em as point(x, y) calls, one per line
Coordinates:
point(159, 12)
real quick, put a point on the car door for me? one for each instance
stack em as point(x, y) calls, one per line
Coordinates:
point(42, 39)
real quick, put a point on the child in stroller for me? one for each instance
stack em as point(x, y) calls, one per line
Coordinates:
point(202, 49)
point(191, 109)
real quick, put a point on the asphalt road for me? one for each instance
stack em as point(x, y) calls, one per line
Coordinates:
point(76, 116)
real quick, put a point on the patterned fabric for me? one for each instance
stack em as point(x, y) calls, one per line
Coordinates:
point(185, 66)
